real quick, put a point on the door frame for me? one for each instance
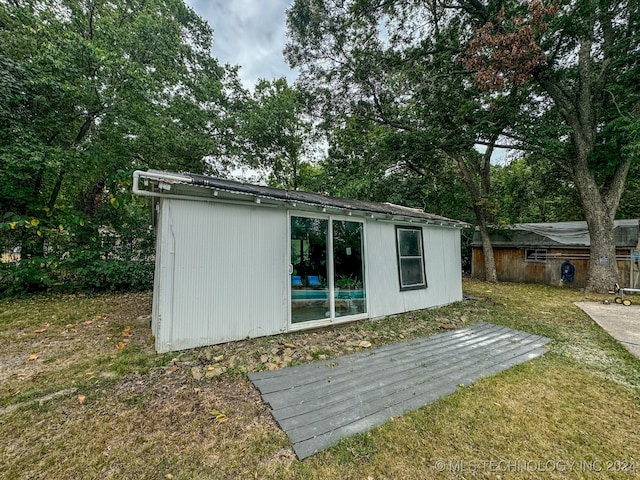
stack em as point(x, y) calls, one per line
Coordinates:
point(332, 319)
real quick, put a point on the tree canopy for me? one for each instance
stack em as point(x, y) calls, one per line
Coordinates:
point(89, 91)
point(577, 58)
point(275, 132)
point(555, 79)
point(415, 98)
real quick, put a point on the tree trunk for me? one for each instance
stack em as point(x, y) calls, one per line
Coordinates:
point(490, 272)
point(475, 176)
point(599, 204)
point(599, 213)
point(603, 269)
point(294, 165)
point(56, 190)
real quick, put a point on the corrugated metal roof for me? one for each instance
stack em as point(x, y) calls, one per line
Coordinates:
point(296, 196)
point(559, 234)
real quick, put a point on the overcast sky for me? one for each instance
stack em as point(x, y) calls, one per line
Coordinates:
point(249, 33)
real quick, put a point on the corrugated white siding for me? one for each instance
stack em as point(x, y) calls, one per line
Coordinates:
point(223, 274)
point(442, 264)
point(157, 278)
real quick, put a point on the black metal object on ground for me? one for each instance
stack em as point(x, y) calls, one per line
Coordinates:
point(320, 403)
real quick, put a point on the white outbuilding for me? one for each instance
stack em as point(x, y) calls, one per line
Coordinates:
point(237, 260)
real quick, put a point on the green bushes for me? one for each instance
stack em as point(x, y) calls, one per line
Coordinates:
point(78, 270)
point(86, 270)
point(75, 252)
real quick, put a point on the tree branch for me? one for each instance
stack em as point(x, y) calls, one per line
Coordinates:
point(476, 9)
point(613, 194)
point(499, 145)
point(586, 116)
point(383, 117)
point(411, 166)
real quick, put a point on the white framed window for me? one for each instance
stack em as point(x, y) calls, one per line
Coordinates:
point(409, 246)
point(535, 255)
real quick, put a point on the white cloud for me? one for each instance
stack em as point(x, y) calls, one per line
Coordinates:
point(249, 33)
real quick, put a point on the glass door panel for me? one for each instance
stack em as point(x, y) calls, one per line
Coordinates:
point(309, 274)
point(348, 268)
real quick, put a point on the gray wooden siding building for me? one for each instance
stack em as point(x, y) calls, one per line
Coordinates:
point(236, 260)
point(536, 252)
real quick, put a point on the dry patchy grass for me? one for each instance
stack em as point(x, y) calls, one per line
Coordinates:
point(149, 416)
point(551, 312)
point(65, 341)
point(527, 417)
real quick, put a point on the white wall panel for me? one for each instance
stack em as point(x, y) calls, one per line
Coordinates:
point(222, 272)
point(163, 276)
point(442, 265)
point(229, 273)
point(382, 269)
point(444, 271)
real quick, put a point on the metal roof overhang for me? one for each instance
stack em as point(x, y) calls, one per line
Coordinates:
point(190, 187)
point(558, 235)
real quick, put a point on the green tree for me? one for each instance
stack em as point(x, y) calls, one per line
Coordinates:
point(549, 79)
point(577, 60)
point(630, 201)
point(276, 132)
point(368, 162)
point(395, 64)
point(92, 90)
point(534, 190)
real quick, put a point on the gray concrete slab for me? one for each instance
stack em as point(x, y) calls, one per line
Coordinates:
point(620, 321)
point(319, 403)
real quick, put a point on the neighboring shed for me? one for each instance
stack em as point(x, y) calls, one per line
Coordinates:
point(235, 260)
point(535, 252)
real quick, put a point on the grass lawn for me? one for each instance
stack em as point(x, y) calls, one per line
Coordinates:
point(83, 395)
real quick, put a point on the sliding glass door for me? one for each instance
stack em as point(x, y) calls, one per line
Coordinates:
point(348, 268)
point(309, 274)
point(327, 269)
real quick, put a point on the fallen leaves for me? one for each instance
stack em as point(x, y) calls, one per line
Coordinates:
point(43, 329)
point(126, 333)
point(218, 416)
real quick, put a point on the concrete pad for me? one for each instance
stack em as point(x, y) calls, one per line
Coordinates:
point(621, 322)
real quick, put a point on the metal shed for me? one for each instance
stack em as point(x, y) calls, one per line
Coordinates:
point(535, 252)
point(237, 260)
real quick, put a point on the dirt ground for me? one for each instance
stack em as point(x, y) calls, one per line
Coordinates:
point(61, 336)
